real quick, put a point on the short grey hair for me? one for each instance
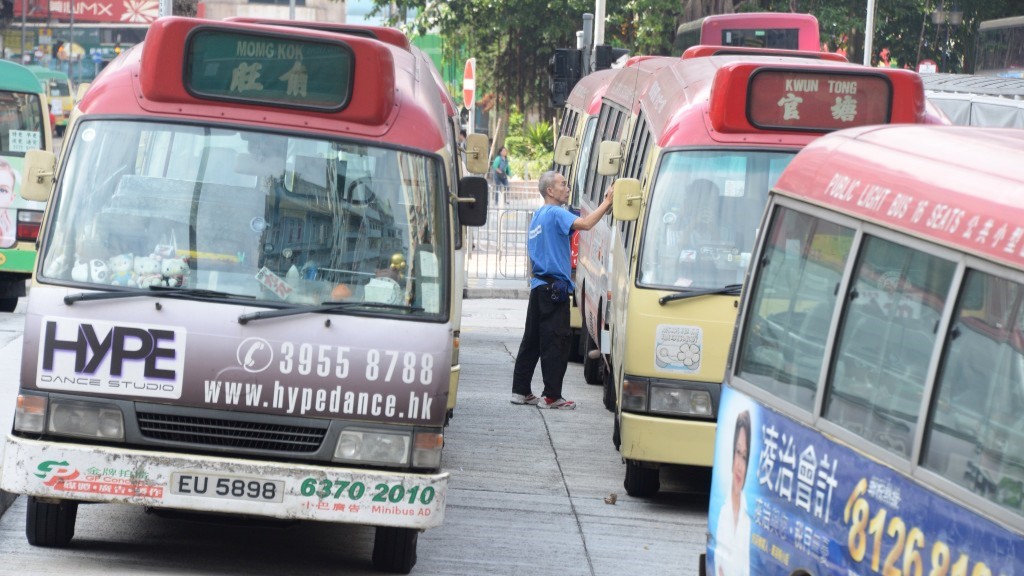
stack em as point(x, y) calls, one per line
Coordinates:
point(547, 180)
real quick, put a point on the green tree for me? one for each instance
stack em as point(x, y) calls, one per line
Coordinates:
point(512, 41)
point(529, 146)
point(628, 28)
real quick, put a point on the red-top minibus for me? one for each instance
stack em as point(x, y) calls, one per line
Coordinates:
point(576, 134)
point(593, 268)
point(476, 143)
point(247, 294)
point(870, 420)
point(789, 30)
point(712, 135)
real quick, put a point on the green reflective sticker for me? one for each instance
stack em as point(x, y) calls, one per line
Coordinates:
point(268, 69)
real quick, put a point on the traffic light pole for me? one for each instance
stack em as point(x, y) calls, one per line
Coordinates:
point(71, 43)
point(588, 44)
point(568, 65)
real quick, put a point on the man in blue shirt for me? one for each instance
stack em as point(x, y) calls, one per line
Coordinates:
point(546, 337)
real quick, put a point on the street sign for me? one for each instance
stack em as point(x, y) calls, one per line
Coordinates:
point(469, 83)
point(927, 67)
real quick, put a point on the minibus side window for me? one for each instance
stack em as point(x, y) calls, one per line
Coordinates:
point(792, 305)
point(885, 342)
point(975, 427)
point(605, 129)
point(638, 148)
point(583, 169)
point(567, 128)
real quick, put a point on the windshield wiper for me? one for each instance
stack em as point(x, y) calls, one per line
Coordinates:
point(729, 290)
point(323, 307)
point(154, 290)
point(197, 292)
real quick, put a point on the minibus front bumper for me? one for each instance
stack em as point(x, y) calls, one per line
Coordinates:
point(204, 483)
point(662, 440)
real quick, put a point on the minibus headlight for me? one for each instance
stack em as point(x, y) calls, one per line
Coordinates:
point(634, 394)
point(681, 401)
point(372, 447)
point(86, 419)
point(30, 413)
point(426, 451)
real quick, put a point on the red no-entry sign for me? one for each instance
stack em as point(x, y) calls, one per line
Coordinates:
point(469, 83)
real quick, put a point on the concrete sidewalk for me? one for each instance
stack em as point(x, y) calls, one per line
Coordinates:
point(496, 288)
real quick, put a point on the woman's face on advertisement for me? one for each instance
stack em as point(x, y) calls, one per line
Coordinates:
point(6, 188)
point(740, 457)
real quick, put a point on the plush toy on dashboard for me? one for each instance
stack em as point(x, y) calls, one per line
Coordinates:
point(121, 273)
point(80, 271)
point(98, 271)
point(174, 272)
point(90, 271)
point(56, 267)
point(147, 271)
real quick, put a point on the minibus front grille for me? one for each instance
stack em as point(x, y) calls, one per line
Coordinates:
point(223, 433)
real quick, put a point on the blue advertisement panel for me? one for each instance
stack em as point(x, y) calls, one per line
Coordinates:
point(785, 498)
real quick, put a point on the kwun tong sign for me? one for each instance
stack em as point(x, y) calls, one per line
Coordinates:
point(109, 11)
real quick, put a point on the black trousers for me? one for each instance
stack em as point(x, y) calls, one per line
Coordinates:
point(546, 338)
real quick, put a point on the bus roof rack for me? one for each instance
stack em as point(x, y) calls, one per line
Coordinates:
point(392, 36)
point(703, 50)
point(975, 84)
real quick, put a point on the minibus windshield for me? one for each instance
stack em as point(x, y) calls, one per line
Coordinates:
point(59, 89)
point(705, 209)
point(280, 220)
point(21, 122)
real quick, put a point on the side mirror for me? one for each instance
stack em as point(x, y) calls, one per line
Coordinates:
point(565, 150)
point(472, 201)
point(80, 93)
point(626, 203)
point(610, 158)
point(37, 175)
point(476, 153)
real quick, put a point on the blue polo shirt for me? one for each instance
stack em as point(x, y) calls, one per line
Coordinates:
point(548, 244)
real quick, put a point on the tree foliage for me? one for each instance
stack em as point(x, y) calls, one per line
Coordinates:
point(513, 40)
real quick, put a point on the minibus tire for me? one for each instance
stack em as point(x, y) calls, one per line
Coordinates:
point(641, 482)
point(608, 383)
point(394, 549)
point(616, 434)
point(592, 366)
point(576, 351)
point(50, 525)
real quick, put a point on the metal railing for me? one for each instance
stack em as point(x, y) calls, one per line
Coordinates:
point(497, 250)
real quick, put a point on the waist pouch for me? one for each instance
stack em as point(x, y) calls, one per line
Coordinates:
point(559, 288)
